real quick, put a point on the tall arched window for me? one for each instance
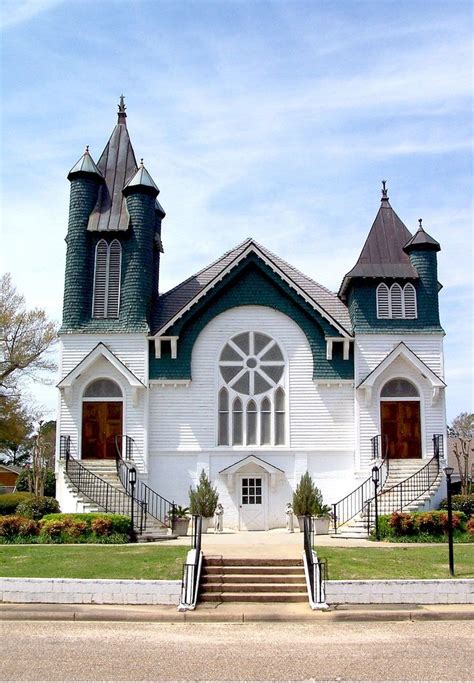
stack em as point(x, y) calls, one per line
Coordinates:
point(252, 380)
point(395, 302)
point(106, 297)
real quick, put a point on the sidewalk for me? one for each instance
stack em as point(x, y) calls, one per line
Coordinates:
point(234, 613)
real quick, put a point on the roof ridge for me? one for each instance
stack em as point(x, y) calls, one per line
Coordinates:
point(208, 267)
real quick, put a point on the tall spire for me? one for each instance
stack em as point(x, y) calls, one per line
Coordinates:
point(121, 111)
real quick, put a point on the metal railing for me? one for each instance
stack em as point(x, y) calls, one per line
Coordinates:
point(316, 570)
point(153, 504)
point(355, 501)
point(192, 568)
point(99, 491)
point(399, 496)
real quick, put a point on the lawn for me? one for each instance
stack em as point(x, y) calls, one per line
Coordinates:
point(93, 561)
point(414, 562)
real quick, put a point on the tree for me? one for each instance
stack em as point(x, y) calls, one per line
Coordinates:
point(25, 337)
point(462, 430)
point(15, 429)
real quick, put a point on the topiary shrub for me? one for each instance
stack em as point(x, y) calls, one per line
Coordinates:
point(460, 503)
point(307, 498)
point(204, 498)
point(36, 508)
point(10, 501)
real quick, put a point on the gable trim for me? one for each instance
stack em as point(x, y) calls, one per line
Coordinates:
point(252, 248)
point(100, 350)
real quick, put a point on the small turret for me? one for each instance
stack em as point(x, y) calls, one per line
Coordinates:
point(422, 249)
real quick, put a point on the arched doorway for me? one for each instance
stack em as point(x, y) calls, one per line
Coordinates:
point(102, 419)
point(400, 420)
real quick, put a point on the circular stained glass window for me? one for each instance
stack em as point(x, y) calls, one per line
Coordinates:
point(251, 363)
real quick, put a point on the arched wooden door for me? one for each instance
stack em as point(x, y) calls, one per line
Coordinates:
point(102, 420)
point(400, 419)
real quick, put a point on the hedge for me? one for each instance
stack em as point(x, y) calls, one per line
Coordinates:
point(37, 507)
point(460, 503)
point(64, 528)
point(10, 501)
point(423, 526)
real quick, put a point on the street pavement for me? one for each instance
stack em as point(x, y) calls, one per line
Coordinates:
point(377, 651)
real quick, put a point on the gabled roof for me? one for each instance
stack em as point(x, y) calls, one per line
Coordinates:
point(118, 165)
point(382, 254)
point(100, 350)
point(251, 460)
point(173, 304)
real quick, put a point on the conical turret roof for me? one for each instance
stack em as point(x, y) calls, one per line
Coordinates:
point(85, 166)
point(382, 254)
point(421, 240)
point(118, 165)
point(143, 180)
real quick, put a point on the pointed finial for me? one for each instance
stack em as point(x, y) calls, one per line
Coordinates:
point(87, 149)
point(141, 161)
point(121, 110)
point(384, 190)
point(420, 221)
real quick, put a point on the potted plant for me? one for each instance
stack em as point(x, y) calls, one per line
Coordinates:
point(308, 500)
point(203, 500)
point(179, 517)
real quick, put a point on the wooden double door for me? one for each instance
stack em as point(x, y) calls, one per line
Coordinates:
point(401, 428)
point(101, 424)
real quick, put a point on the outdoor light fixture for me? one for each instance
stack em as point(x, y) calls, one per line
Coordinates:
point(133, 476)
point(449, 472)
point(375, 480)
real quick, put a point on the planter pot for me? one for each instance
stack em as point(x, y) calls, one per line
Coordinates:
point(301, 522)
point(206, 522)
point(181, 527)
point(321, 525)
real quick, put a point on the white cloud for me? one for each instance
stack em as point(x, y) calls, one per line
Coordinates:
point(17, 11)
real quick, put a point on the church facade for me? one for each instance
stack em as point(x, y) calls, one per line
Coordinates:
point(248, 369)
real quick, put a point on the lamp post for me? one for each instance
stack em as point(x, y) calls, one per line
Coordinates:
point(133, 481)
point(375, 480)
point(448, 472)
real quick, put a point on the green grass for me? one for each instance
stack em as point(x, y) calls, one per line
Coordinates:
point(415, 562)
point(93, 562)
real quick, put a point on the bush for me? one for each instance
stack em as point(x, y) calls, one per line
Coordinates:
point(307, 498)
point(460, 504)
point(420, 526)
point(204, 498)
point(470, 526)
point(15, 525)
point(120, 524)
point(36, 508)
point(49, 482)
point(101, 526)
point(402, 523)
point(10, 501)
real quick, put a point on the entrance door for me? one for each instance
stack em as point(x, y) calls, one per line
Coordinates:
point(101, 423)
point(401, 429)
point(252, 502)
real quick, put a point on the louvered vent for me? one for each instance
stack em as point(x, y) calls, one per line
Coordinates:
point(113, 294)
point(396, 301)
point(383, 307)
point(100, 280)
point(106, 298)
point(409, 295)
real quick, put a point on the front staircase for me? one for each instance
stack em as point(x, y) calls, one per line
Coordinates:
point(252, 580)
point(401, 491)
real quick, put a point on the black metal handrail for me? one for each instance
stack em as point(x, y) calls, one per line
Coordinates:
point(355, 501)
point(154, 505)
point(402, 494)
point(99, 491)
point(316, 569)
point(191, 570)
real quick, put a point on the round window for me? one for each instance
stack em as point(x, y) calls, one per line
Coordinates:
point(251, 363)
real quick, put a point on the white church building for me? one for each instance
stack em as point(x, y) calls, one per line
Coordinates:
point(249, 369)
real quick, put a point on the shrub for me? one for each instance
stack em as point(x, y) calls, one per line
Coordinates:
point(29, 527)
point(461, 503)
point(10, 526)
point(53, 528)
point(402, 523)
point(49, 481)
point(120, 523)
point(10, 501)
point(101, 526)
point(204, 498)
point(307, 498)
point(36, 508)
point(470, 526)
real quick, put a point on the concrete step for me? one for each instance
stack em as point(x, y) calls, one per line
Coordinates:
point(255, 597)
point(232, 571)
point(254, 588)
point(207, 579)
point(251, 562)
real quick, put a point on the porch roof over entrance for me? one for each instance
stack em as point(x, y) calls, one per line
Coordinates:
point(253, 460)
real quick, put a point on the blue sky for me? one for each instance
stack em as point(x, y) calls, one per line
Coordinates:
point(275, 120)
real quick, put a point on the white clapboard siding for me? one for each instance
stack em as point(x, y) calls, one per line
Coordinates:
point(131, 349)
point(371, 349)
point(185, 418)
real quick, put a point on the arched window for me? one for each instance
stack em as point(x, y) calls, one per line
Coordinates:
point(252, 374)
point(103, 388)
point(223, 417)
point(395, 302)
point(409, 301)
point(399, 388)
point(383, 303)
point(107, 273)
